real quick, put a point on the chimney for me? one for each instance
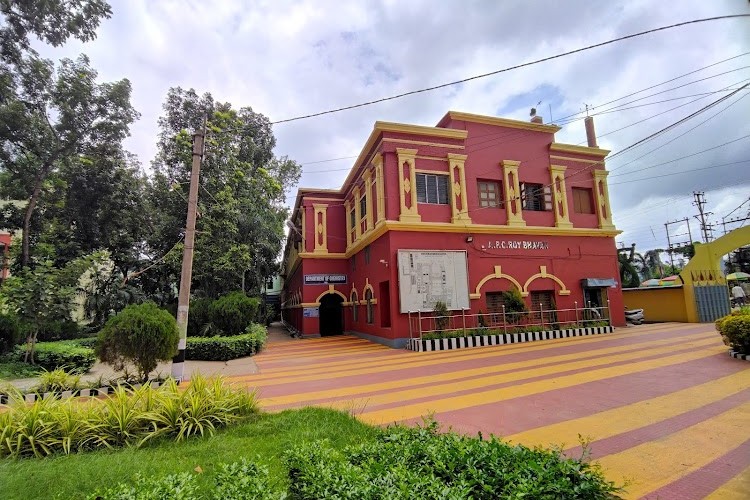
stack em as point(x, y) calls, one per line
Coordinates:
point(590, 132)
point(534, 117)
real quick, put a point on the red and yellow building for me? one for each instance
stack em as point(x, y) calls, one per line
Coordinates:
point(525, 211)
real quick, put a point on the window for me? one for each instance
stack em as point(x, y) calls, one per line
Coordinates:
point(495, 301)
point(353, 299)
point(546, 301)
point(352, 219)
point(367, 254)
point(490, 194)
point(370, 307)
point(363, 206)
point(432, 189)
point(582, 201)
point(536, 197)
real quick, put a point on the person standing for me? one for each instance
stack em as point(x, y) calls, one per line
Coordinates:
point(739, 295)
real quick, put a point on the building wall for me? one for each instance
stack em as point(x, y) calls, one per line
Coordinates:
point(658, 303)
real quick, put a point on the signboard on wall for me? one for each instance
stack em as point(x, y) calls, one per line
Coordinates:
point(427, 276)
point(528, 245)
point(325, 279)
point(310, 312)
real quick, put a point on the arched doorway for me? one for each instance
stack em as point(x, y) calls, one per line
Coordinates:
point(331, 315)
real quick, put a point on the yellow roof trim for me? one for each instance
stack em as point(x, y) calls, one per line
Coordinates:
point(503, 122)
point(580, 150)
point(404, 128)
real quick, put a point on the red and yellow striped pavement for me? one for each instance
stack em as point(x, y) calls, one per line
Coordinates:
point(662, 407)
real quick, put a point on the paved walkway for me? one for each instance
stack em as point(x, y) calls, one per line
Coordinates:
point(662, 405)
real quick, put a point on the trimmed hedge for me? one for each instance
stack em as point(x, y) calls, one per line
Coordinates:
point(225, 348)
point(67, 354)
point(234, 312)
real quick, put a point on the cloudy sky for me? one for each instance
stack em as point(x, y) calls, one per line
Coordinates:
point(291, 58)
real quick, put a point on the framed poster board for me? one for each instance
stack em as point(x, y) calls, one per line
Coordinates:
point(428, 276)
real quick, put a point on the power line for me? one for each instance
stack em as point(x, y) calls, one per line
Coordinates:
point(510, 68)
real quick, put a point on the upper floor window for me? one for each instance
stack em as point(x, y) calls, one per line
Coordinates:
point(432, 189)
point(490, 194)
point(536, 197)
point(363, 206)
point(583, 201)
point(352, 219)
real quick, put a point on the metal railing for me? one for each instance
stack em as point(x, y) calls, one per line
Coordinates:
point(430, 325)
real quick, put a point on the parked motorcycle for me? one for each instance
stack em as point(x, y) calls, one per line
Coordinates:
point(634, 316)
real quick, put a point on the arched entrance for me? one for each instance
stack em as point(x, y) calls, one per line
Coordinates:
point(331, 315)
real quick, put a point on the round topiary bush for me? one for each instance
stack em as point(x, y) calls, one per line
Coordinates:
point(141, 335)
point(735, 331)
point(233, 312)
point(10, 332)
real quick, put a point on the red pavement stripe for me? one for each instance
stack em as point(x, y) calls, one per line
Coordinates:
point(405, 374)
point(706, 479)
point(657, 430)
point(512, 416)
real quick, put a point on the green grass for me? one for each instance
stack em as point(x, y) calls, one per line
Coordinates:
point(17, 369)
point(264, 440)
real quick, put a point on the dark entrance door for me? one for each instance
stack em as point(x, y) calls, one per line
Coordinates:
point(331, 315)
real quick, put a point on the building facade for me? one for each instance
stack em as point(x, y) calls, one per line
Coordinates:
point(458, 212)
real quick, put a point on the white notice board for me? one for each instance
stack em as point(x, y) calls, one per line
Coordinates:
point(428, 276)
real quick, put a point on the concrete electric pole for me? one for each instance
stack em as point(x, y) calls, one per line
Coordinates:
point(700, 202)
point(183, 301)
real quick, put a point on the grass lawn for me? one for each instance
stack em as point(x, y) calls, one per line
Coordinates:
point(15, 369)
point(264, 440)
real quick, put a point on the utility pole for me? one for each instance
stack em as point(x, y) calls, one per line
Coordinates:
point(671, 246)
point(700, 202)
point(183, 301)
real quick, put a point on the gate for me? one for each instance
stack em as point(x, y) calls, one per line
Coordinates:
point(712, 302)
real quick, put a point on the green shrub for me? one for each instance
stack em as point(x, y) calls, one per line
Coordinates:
point(233, 312)
point(66, 354)
point(226, 348)
point(515, 307)
point(57, 380)
point(441, 315)
point(129, 417)
point(735, 331)
point(419, 462)
point(199, 317)
point(141, 335)
point(50, 331)
point(86, 342)
point(10, 332)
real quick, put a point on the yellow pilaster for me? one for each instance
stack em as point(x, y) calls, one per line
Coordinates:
point(304, 235)
point(601, 194)
point(377, 161)
point(368, 201)
point(357, 215)
point(407, 187)
point(458, 188)
point(348, 223)
point(321, 228)
point(512, 193)
point(560, 196)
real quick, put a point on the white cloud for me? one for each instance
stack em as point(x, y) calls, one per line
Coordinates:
point(292, 58)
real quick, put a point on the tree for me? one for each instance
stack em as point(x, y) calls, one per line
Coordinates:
point(628, 273)
point(241, 203)
point(55, 117)
point(142, 335)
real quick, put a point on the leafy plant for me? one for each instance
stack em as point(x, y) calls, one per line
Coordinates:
point(142, 335)
point(735, 330)
point(226, 348)
point(233, 312)
point(515, 307)
point(199, 316)
point(441, 313)
point(57, 380)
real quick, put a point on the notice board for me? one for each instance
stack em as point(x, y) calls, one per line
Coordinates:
point(428, 276)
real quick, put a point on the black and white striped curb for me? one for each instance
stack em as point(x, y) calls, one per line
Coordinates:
point(502, 339)
point(739, 355)
point(82, 393)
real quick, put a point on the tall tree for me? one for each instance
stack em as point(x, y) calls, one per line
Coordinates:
point(241, 208)
point(55, 117)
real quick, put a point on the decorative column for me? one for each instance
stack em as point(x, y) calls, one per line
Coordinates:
point(601, 194)
point(377, 161)
point(348, 222)
point(368, 201)
point(512, 193)
point(357, 215)
point(304, 234)
point(407, 183)
point(459, 203)
point(560, 196)
point(321, 228)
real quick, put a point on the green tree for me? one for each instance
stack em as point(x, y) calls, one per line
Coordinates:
point(142, 335)
point(241, 201)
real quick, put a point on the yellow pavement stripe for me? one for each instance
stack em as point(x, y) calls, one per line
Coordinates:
point(627, 418)
point(657, 463)
point(453, 376)
point(490, 396)
point(737, 488)
point(532, 371)
point(307, 373)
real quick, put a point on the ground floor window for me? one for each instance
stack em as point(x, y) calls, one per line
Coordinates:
point(543, 306)
point(370, 307)
point(354, 299)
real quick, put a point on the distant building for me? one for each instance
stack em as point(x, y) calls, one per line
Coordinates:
point(455, 213)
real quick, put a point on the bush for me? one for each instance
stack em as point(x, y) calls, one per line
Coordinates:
point(57, 380)
point(441, 315)
point(58, 330)
point(406, 462)
point(226, 348)
point(141, 335)
point(66, 354)
point(735, 331)
point(199, 317)
point(10, 332)
point(129, 417)
point(233, 312)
